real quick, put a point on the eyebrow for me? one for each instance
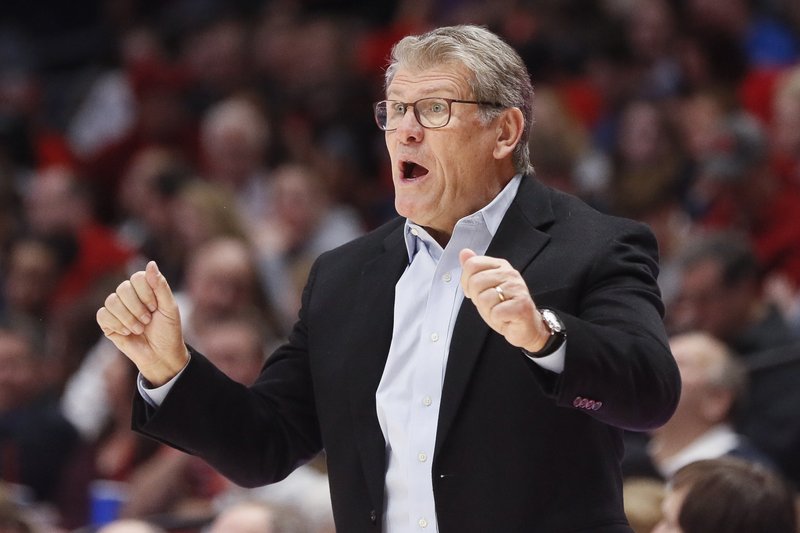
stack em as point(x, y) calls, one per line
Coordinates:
point(425, 93)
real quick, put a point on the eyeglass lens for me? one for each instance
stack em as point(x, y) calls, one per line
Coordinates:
point(430, 112)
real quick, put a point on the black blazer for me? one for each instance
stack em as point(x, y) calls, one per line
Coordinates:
point(518, 448)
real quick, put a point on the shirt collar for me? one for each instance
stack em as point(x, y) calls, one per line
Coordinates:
point(488, 217)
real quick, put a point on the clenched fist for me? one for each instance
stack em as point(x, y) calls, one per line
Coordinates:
point(502, 299)
point(142, 319)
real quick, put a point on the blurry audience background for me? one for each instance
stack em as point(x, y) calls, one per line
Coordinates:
point(233, 141)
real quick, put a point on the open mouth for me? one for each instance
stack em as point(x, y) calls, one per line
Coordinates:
point(412, 170)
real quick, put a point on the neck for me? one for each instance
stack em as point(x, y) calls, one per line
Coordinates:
point(668, 442)
point(442, 234)
point(442, 237)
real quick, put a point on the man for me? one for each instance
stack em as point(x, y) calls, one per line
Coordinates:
point(714, 383)
point(36, 441)
point(436, 413)
point(720, 293)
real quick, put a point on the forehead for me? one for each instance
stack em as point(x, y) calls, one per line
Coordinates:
point(691, 360)
point(448, 80)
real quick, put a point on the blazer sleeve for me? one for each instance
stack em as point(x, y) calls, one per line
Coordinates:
point(252, 435)
point(618, 365)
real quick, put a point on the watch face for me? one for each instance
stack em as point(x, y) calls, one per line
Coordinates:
point(553, 322)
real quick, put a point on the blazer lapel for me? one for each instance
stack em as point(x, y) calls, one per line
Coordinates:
point(371, 336)
point(518, 239)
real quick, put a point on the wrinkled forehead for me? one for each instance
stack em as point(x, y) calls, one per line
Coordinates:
point(445, 79)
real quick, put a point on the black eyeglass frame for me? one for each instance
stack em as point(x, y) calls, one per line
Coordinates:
point(413, 105)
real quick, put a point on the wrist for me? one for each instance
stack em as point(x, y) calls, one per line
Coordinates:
point(164, 370)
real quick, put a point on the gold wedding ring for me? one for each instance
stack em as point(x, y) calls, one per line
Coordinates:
point(500, 293)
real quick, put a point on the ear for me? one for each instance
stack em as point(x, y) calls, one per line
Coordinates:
point(510, 126)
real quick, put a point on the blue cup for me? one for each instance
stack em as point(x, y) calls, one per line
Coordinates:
point(105, 499)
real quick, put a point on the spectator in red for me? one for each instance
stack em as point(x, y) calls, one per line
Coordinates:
point(90, 258)
point(58, 206)
point(162, 119)
point(29, 277)
point(748, 197)
point(35, 439)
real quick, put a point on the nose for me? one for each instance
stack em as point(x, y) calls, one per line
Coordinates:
point(410, 130)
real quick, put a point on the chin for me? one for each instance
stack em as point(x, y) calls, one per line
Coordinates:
point(407, 209)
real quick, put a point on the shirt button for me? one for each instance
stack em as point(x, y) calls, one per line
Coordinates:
point(427, 401)
point(422, 522)
point(414, 232)
point(434, 337)
point(446, 277)
point(422, 457)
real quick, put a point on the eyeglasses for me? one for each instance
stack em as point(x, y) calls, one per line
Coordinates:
point(431, 113)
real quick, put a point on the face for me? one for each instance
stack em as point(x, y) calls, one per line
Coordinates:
point(17, 372)
point(640, 135)
point(699, 118)
point(693, 363)
point(650, 28)
point(235, 350)
point(441, 175)
point(704, 303)
point(232, 154)
point(51, 206)
point(670, 509)
point(221, 281)
point(32, 275)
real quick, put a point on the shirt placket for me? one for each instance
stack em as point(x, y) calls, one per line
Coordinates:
point(426, 391)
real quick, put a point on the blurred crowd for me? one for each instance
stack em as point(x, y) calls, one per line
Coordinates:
point(233, 141)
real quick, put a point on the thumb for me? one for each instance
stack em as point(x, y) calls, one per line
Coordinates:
point(465, 255)
point(165, 300)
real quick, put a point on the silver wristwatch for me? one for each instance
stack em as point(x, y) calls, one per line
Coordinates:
point(558, 333)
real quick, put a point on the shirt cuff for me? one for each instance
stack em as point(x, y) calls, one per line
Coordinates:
point(155, 396)
point(553, 362)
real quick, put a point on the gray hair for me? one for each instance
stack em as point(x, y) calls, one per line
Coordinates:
point(498, 72)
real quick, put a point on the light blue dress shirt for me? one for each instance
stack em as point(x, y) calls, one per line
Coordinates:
point(427, 299)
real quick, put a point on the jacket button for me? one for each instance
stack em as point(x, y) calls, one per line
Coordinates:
point(373, 516)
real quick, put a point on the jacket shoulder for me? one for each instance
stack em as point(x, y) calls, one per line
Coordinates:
point(368, 244)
